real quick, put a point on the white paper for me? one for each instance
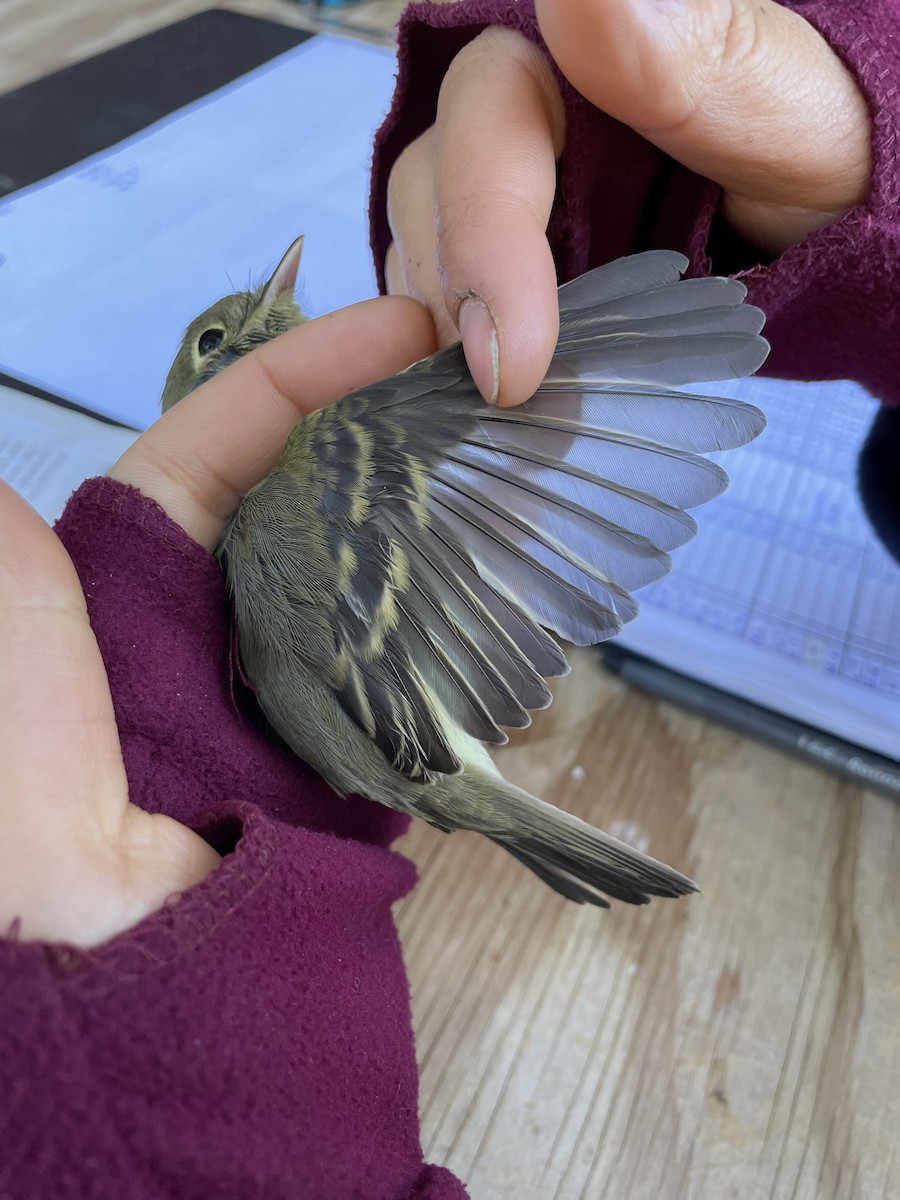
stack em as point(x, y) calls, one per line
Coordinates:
point(103, 265)
point(46, 451)
point(785, 596)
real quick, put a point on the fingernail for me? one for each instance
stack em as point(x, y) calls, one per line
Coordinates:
point(482, 350)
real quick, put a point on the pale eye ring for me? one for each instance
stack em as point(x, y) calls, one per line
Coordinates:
point(209, 340)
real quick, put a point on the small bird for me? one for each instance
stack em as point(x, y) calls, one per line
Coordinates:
point(395, 575)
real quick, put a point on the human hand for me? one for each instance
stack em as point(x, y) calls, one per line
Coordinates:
point(743, 92)
point(79, 862)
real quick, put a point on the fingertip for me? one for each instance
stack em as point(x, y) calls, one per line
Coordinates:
point(526, 351)
point(499, 129)
point(509, 342)
point(348, 348)
point(481, 346)
point(509, 328)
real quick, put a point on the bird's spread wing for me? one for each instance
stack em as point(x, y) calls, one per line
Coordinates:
point(460, 531)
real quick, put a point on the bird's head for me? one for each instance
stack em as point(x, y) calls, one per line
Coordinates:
point(233, 326)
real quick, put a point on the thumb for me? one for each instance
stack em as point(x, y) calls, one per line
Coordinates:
point(56, 707)
point(78, 863)
point(744, 92)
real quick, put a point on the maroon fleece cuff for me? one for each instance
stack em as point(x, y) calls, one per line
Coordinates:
point(251, 1039)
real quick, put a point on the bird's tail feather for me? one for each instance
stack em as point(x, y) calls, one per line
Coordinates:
point(569, 855)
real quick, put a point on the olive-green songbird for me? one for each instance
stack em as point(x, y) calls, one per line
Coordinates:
point(395, 574)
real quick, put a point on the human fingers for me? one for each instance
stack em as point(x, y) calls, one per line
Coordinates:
point(56, 715)
point(200, 457)
point(744, 92)
point(469, 205)
point(411, 265)
point(78, 862)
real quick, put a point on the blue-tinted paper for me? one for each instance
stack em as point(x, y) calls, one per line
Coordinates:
point(103, 265)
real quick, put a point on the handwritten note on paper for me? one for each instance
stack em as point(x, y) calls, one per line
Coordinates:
point(103, 265)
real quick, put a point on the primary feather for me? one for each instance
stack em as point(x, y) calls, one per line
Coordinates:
point(395, 574)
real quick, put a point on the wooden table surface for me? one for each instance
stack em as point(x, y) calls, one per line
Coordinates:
point(741, 1044)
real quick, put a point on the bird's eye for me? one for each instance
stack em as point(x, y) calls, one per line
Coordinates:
point(209, 340)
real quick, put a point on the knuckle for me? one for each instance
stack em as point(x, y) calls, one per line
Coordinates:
point(410, 183)
point(413, 159)
point(500, 70)
point(487, 55)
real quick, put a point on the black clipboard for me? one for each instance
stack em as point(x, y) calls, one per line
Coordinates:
point(60, 119)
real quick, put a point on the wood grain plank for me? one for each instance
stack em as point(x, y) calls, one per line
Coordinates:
point(744, 1043)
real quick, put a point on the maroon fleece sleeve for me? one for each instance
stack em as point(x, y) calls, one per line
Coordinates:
point(830, 300)
point(252, 1039)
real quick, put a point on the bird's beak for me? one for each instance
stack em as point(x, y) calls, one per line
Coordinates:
point(284, 277)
